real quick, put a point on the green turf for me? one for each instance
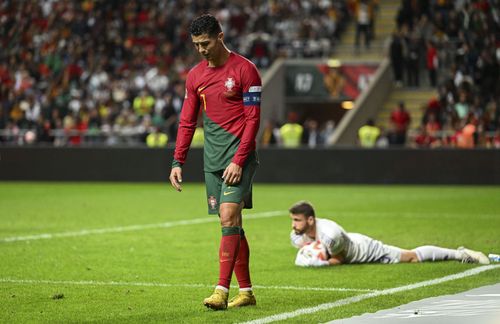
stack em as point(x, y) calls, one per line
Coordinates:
point(406, 216)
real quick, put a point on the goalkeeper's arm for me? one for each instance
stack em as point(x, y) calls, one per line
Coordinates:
point(335, 260)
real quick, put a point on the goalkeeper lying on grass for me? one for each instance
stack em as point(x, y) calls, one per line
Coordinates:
point(323, 242)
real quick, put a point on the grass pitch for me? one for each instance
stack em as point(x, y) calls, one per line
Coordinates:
point(161, 274)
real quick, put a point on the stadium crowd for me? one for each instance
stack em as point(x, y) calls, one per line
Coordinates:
point(113, 71)
point(457, 43)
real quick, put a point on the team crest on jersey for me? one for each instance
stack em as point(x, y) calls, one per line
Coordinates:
point(212, 202)
point(231, 87)
point(229, 84)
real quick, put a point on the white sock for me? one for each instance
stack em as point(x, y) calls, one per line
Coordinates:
point(222, 288)
point(435, 253)
point(246, 289)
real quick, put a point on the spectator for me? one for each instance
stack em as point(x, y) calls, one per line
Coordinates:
point(465, 138)
point(327, 132)
point(364, 11)
point(413, 61)
point(424, 140)
point(291, 132)
point(383, 139)
point(400, 121)
point(397, 58)
point(156, 138)
point(432, 127)
point(143, 104)
point(462, 107)
point(368, 134)
point(432, 63)
point(311, 135)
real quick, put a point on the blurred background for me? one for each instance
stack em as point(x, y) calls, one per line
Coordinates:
point(391, 76)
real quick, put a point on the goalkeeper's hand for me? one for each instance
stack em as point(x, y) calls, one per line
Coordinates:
point(318, 263)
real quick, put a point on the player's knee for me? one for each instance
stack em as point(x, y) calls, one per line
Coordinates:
point(230, 214)
point(227, 221)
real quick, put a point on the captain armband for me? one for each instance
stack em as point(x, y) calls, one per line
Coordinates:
point(252, 97)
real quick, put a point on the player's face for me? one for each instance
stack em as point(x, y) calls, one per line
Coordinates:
point(208, 47)
point(301, 224)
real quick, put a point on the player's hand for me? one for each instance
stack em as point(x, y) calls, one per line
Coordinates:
point(232, 174)
point(318, 263)
point(176, 178)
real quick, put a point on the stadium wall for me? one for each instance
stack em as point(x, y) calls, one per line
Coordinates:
point(366, 106)
point(344, 165)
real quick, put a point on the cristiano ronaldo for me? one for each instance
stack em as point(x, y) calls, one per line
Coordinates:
point(226, 87)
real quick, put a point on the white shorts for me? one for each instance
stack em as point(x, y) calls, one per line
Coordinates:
point(364, 249)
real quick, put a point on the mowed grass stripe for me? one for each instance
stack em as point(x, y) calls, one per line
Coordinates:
point(358, 298)
point(120, 229)
point(165, 285)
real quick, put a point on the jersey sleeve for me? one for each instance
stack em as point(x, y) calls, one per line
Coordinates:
point(252, 88)
point(334, 238)
point(187, 123)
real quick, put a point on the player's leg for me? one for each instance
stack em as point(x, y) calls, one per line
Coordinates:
point(436, 253)
point(408, 256)
point(214, 183)
point(230, 217)
point(245, 296)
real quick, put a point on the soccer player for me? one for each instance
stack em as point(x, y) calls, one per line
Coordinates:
point(343, 247)
point(226, 87)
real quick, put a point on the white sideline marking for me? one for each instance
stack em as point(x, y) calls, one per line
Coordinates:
point(355, 299)
point(159, 284)
point(130, 228)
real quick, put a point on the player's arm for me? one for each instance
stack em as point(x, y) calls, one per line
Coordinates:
point(187, 126)
point(331, 261)
point(336, 260)
point(252, 88)
point(251, 84)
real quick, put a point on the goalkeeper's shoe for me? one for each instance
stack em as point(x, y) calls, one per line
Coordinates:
point(217, 301)
point(470, 256)
point(244, 298)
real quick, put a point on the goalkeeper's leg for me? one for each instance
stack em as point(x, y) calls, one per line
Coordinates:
point(435, 253)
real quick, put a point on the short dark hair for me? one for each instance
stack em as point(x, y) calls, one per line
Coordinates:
point(302, 207)
point(205, 24)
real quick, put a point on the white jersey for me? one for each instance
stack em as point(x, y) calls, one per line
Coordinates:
point(356, 248)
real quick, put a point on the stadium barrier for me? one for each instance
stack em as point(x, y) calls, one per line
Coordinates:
point(339, 165)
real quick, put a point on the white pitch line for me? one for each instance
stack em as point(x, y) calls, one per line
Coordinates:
point(159, 284)
point(130, 228)
point(355, 299)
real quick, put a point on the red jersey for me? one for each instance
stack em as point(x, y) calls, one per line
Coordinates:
point(229, 98)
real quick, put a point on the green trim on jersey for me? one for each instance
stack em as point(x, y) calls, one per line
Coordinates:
point(220, 146)
point(176, 163)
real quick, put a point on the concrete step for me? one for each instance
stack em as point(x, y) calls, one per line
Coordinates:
point(413, 95)
point(415, 101)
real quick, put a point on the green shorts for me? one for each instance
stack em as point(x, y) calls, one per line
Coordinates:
point(219, 192)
